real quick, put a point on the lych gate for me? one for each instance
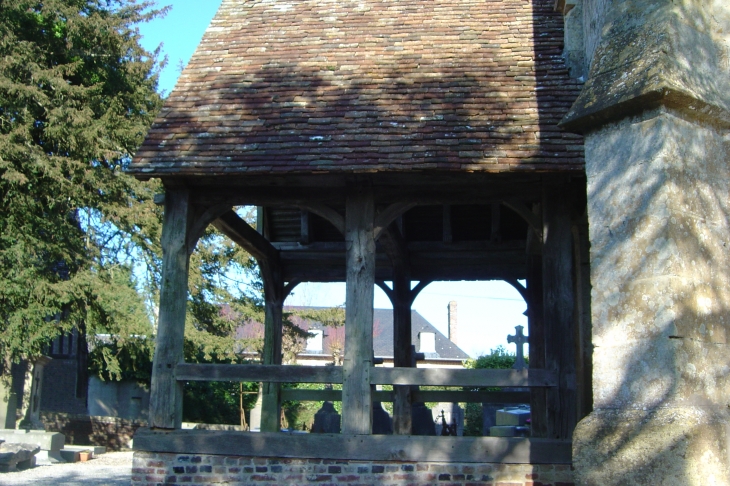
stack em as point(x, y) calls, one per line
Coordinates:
point(393, 141)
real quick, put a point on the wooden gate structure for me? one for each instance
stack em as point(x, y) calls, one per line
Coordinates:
point(394, 141)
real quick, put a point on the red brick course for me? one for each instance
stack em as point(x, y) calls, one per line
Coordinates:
point(198, 470)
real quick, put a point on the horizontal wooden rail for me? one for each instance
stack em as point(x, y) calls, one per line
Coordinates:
point(378, 376)
point(254, 373)
point(399, 448)
point(417, 396)
point(457, 377)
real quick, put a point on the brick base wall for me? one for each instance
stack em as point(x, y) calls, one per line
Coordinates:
point(163, 468)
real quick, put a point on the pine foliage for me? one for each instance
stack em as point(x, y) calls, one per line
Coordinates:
point(77, 94)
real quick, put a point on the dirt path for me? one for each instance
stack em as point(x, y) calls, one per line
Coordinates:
point(110, 469)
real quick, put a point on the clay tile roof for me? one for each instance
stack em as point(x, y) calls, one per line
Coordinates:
point(370, 85)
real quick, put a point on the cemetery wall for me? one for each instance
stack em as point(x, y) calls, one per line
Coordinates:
point(59, 388)
point(155, 468)
point(111, 432)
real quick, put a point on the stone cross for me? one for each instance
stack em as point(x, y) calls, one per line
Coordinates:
point(519, 340)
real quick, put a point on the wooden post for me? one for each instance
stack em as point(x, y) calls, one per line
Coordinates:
point(402, 352)
point(360, 260)
point(274, 303)
point(582, 314)
point(269, 262)
point(165, 391)
point(536, 331)
point(558, 302)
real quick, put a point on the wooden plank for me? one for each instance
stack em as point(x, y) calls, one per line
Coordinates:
point(536, 331)
point(357, 408)
point(448, 236)
point(394, 448)
point(305, 237)
point(254, 373)
point(460, 377)
point(583, 325)
point(495, 235)
point(470, 396)
point(417, 396)
point(165, 392)
point(558, 307)
point(273, 311)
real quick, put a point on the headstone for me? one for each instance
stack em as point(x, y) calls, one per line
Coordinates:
point(422, 420)
point(489, 416)
point(32, 418)
point(382, 422)
point(519, 339)
point(518, 416)
point(453, 414)
point(326, 420)
point(255, 418)
point(512, 422)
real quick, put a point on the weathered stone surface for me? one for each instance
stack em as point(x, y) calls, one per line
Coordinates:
point(659, 212)
point(677, 446)
point(14, 456)
point(50, 441)
point(658, 53)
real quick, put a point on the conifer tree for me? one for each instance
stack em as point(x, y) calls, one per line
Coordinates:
point(77, 94)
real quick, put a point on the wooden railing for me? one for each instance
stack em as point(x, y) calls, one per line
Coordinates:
point(380, 376)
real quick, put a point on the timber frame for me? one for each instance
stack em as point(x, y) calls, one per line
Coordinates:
point(375, 250)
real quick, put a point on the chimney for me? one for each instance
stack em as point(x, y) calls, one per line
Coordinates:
point(452, 322)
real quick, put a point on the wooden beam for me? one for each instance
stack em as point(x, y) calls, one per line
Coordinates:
point(388, 215)
point(349, 447)
point(357, 408)
point(231, 225)
point(417, 396)
point(325, 212)
point(495, 235)
point(536, 331)
point(273, 331)
point(305, 236)
point(460, 377)
point(447, 229)
point(558, 307)
point(518, 287)
point(289, 287)
point(201, 220)
point(165, 392)
point(583, 326)
point(254, 373)
point(532, 219)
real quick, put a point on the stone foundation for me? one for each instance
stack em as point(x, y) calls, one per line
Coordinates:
point(111, 432)
point(156, 468)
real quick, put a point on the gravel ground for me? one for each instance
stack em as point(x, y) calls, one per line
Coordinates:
point(110, 469)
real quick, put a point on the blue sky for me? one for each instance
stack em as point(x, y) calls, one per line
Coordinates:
point(488, 311)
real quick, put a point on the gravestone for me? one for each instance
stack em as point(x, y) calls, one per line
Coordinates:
point(326, 420)
point(422, 420)
point(519, 339)
point(32, 418)
point(452, 414)
point(382, 422)
point(489, 416)
point(255, 417)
